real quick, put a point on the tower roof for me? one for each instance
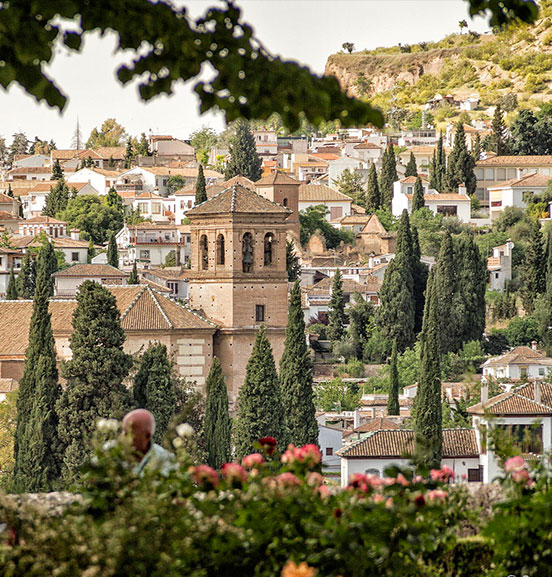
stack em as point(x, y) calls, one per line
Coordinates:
point(238, 199)
point(276, 177)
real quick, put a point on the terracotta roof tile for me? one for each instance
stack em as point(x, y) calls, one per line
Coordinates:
point(544, 160)
point(519, 356)
point(400, 443)
point(322, 193)
point(91, 270)
point(533, 180)
point(276, 177)
point(520, 401)
point(367, 146)
point(443, 196)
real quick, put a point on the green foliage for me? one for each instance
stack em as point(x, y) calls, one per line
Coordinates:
point(91, 216)
point(154, 388)
point(203, 140)
point(129, 154)
point(200, 190)
point(111, 133)
point(313, 219)
point(352, 184)
point(293, 267)
point(218, 426)
point(533, 275)
point(336, 311)
point(438, 167)
point(170, 259)
point(460, 165)
point(393, 400)
point(57, 199)
point(244, 159)
point(37, 450)
point(26, 277)
point(522, 331)
point(373, 196)
point(112, 251)
point(530, 134)
point(260, 408)
point(499, 138)
point(354, 368)
point(296, 376)
point(94, 375)
point(133, 276)
point(361, 320)
point(12, 290)
point(429, 227)
point(411, 166)
point(175, 182)
point(337, 395)
point(418, 198)
point(57, 171)
point(388, 175)
point(115, 201)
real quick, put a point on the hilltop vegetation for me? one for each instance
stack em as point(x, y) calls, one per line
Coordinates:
point(517, 59)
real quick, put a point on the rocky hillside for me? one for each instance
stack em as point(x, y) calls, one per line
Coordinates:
point(518, 60)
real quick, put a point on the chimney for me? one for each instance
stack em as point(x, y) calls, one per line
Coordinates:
point(537, 392)
point(75, 234)
point(356, 419)
point(534, 345)
point(484, 394)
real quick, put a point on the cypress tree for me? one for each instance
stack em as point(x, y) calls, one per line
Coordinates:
point(57, 199)
point(397, 312)
point(476, 151)
point(336, 312)
point(411, 167)
point(57, 171)
point(428, 417)
point(461, 165)
point(293, 267)
point(91, 251)
point(388, 176)
point(418, 197)
point(10, 191)
point(12, 292)
point(499, 132)
point(112, 251)
point(296, 376)
point(50, 261)
point(94, 375)
point(434, 182)
point(200, 189)
point(37, 449)
point(217, 423)
point(446, 283)
point(244, 159)
point(393, 407)
point(154, 388)
point(441, 164)
point(373, 196)
point(260, 408)
point(533, 273)
point(360, 318)
point(114, 200)
point(129, 154)
point(419, 277)
point(26, 277)
point(133, 276)
point(545, 308)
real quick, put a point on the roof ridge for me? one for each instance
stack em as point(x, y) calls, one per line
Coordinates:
point(133, 302)
point(154, 297)
point(182, 305)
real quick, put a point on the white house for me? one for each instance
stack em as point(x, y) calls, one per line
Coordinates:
point(499, 266)
point(337, 167)
point(330, 441)
point(514, 191)
point(32, 160)
point(68, 280)
point(338, 204)
point(381, 449)
point(75, 251)
point(266, 142)
point(173, 279)
point(167, 147)
point(154, 207)
point(368, 152)
point(9, 258)
point(34, 200)
point(524, 412)
point(48, 224)
point(519, 363)
point(446, 204)
point(99, 178)
point(29, 173)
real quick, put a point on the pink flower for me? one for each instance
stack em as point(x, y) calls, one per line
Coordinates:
point(389, 503)
point(515, 464)
point(521, 476)
point(308, 454)
point(287, 480)
point(437, 495)
point(314, 479)
point(311, 454)
point(444, 474)
point(268, 444)
point(377, 498)
point(234, 473)
point(205, 476)
point(251, 460)
point(402, 480)
point(324, 491)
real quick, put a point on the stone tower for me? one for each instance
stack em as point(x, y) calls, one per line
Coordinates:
point(281, 188)
point(238, 274)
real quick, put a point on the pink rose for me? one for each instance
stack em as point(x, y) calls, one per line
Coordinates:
point(314, 479)
point(377, 498)
point(252, 460)
point(234, 473)
point(205, 476)
point(324, 491)
point(437, 495)
point(444, 474)
point(402, 480)
point(287, 480)
point(514, 464)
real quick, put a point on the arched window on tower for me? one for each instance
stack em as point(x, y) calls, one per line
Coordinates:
point(268, 248)
point(220, 249)
point(203, 252)
point(285, 202)
point(247, 252)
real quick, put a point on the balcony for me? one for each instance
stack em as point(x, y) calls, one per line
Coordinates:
point(129, 187)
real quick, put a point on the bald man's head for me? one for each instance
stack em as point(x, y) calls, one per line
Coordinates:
point(141, 425)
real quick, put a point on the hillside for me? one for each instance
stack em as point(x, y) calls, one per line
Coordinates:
point(517, 59)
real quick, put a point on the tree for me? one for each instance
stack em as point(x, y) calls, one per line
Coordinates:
point(26, 277)
point(176, 182)
point(373, 196)
point(313, 219)
point(217, 423)
point(154, 388)
point(20, 145)
point(361, 318)
point(12, 292)
point(260, 408)
point(112, 251)
point(397, 312)
point(438, 166)
point(49, 260)
point(393, 397)
point(244, 159)
point(419, 276)
point(57, 171)
point(428, 416)
point(336, 312)
point(337, 395)
point(93, 217)
point(446, 282)
point(110, 134)
point(37, 450)
point(499, 132)
point(114, 200)
point(533, 274)
point(293, 266)
point(200, 190)
point(351, 183)
point(76, 141)
point(133, 276)
point(296, 376)
point(91, 252)
point(57, 199)
point(530, 135)
point(129, 154)
point(388, 175)
point(418, 198)
point(411, 167)
point(94, 375)
point(143, 148)
point(544, 304)
point(349, 46)
point(203, 140)
point(460, 168)
point(462, 24)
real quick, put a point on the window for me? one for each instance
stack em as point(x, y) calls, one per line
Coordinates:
point(374, 472)
point(220, 249)
point(523, 373)
point(409, 190)
point(447, 210)
point(285, 202)
point(475, 475)
point(329, 451)
point(173, 286)
point(541, 371)
point(497, 274)
point(336, 212)
point(1, 260)
point(260, 313)
point(247, 252)
point(203, 253)
point(145, 254)
point(74, 257)
point(155, 207)
point(268, 246)
point(527, 438)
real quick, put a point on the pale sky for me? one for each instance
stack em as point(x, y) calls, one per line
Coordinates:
point(304, 30)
